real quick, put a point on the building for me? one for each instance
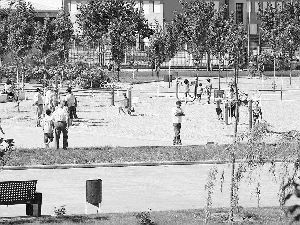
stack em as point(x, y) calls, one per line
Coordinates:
point(161, 11)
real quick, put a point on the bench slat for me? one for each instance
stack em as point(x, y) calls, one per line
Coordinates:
point(17, 192)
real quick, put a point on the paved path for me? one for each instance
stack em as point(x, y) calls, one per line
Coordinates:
point(130, 189)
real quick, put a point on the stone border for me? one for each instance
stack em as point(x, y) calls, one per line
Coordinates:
point(98, 165)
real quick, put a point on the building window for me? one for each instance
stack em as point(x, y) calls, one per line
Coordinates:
point(146, 7)
point(239, 13)
point(156, 7)
point(256, 6)
point(216, 5)
point(253, 28)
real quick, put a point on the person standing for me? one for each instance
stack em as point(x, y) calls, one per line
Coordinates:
point(38, 102)
point(208, 90)
point(199, 92)
point(71, 104)
point(177, 114)
point(61, 124)
point(48, 126)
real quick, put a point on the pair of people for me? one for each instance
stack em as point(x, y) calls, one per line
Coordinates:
point(57, 122)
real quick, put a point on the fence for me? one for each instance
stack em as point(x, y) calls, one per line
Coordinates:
point(136, 58)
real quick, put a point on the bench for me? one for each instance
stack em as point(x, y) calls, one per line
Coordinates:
point(21, 192)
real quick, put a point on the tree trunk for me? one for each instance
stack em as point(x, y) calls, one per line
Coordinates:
point(232, 204)
point(290, 73)
point(219, 70)
point(208, 61)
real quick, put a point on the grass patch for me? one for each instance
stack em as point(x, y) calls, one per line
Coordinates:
point(143, 76)
point(270, 216)
point(39, 156)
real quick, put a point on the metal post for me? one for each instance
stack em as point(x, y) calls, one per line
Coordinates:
point(250, 114)
point(113, 96)
point(130, 97)
point(177, 87)
point(226, 113)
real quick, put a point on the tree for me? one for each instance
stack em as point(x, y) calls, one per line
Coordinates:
point(62, 32)
point(3, 36)
point(218, 33)
point(163, 45)
point(113, 22)
point(193, 27)
point(290, 37)
point(280, 30)
point(20, 22)
point(236, 46)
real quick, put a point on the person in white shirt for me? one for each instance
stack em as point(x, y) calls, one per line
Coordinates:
point(48, 126)
point(61, 124)
point(177, 114)
point(71, 104)
point(38, 102)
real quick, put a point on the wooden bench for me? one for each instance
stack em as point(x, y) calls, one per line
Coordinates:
point(21, 192)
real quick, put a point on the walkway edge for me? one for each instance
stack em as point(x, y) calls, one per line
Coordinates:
point(96, 165)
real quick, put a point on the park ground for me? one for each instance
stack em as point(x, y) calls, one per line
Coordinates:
point(100, 126)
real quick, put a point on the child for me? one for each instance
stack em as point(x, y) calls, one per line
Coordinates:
point(199, 91)
point(256, 112)
point(48, 125)
point(219, 110)
point(186, 89)
point(208, 90)
point(177, 114)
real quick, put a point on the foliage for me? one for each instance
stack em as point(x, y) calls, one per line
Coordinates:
point(163, 45)
point(60, 211)
point(236, 43)
point(6, 150)
point(52, 39)
point(209, 187)
point(193, 26)
point(280, 29)
point(218, 28)
point(145, 218)
point(20, 22)
point(294, 190)
point(115, 23)
point(3, 35)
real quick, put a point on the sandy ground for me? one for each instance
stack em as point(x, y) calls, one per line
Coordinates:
point(100, 124)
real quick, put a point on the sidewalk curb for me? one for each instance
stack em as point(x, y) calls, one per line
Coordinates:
point(129, 164)
point(97, 165)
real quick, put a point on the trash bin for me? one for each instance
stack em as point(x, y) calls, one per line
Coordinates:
point(166, 78)
point(94, 192)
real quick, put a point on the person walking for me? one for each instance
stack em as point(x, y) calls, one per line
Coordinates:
point(61, 124)
point(71, 104)
point(38, 102)
point(177, 114)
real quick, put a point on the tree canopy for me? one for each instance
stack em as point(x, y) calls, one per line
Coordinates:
point(116, 23)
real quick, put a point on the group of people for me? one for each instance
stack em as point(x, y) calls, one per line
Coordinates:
point(55, 114)
point(200, 90)
point(177, 112)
